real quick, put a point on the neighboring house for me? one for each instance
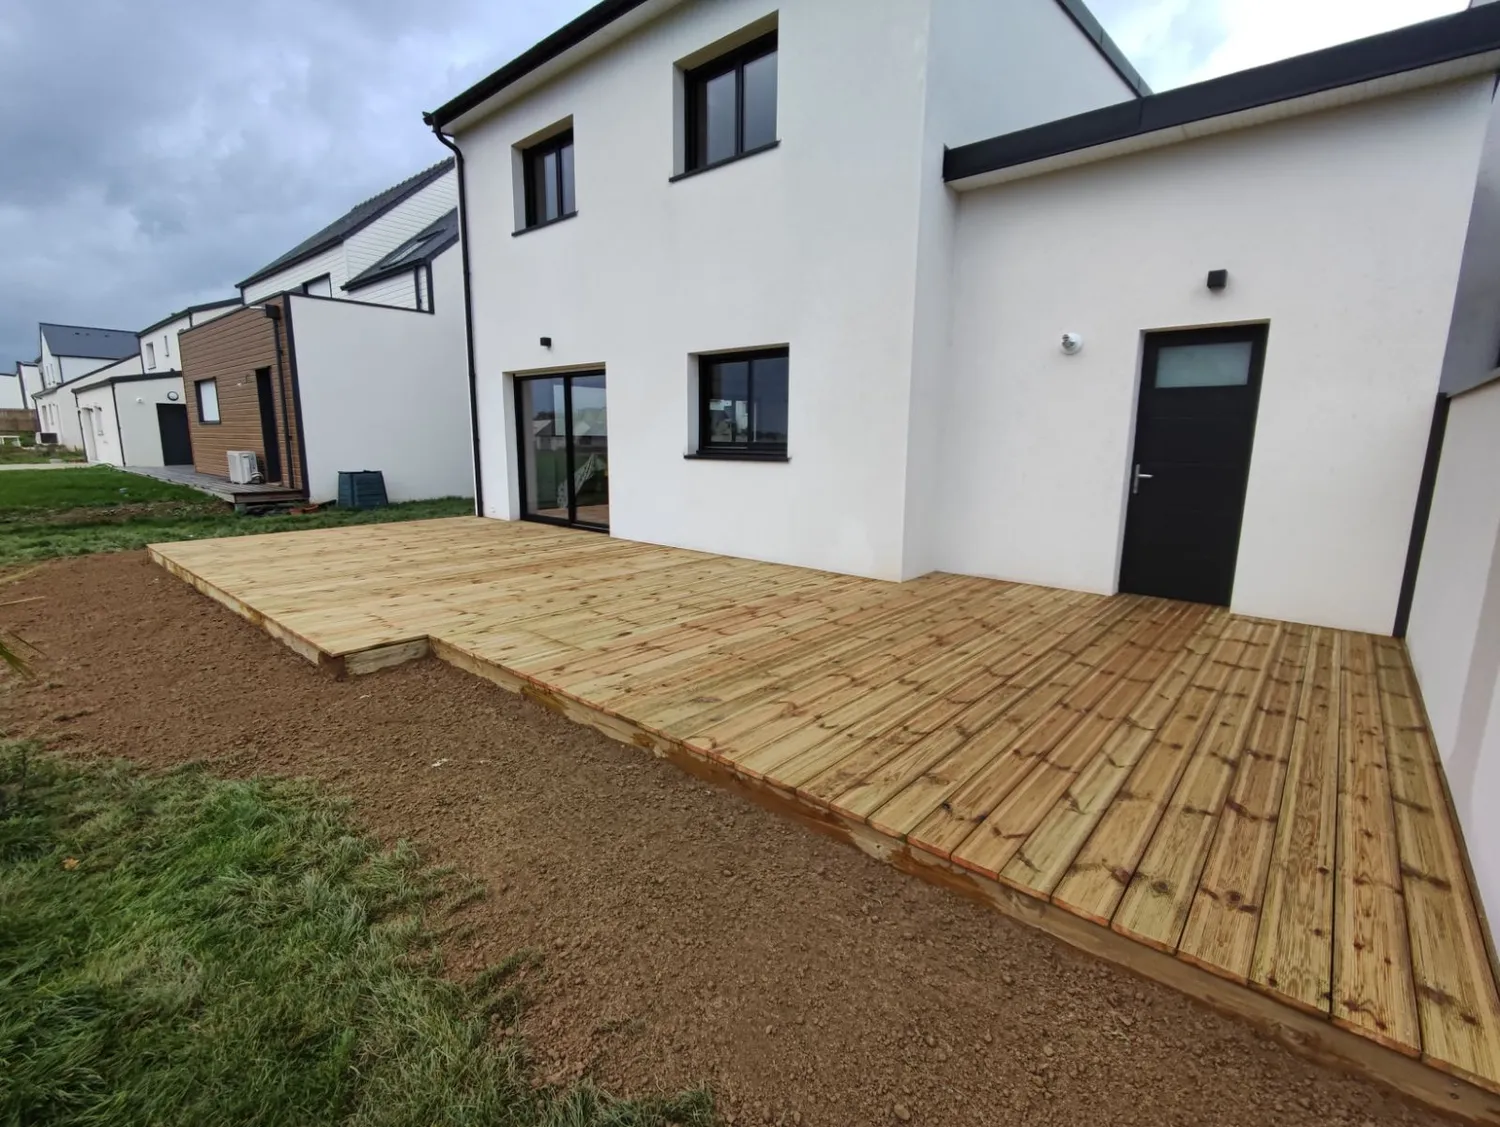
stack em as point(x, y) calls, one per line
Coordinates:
point(13, 392)
point(69, 352)
point(324, 263)
point(133, 418)
point(349, 355)
point(65, 409)
point(1000, 312)
point(158, 342)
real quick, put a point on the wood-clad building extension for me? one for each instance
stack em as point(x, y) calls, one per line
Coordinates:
point(239, 353)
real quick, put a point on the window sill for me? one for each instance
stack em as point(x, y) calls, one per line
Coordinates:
point(721, 163)
point(548, 223)
point(737, 456)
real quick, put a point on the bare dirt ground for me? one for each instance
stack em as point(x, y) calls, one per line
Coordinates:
point(688, 936)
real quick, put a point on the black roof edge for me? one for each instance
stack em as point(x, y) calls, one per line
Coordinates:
point(603, 14)
point(418, 182)
point(189, 311)
point(1473, 31)
point(1078, 12)
point(360, 281)
point(564, 39)
point(134, 377)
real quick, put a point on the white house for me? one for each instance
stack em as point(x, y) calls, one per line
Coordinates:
point(29, 372)
point(90, 398)
point(349, 354)
point(949, 289)
point(13, 392)
point(69, 352)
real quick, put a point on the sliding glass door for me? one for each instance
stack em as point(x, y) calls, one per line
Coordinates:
point(564, 449)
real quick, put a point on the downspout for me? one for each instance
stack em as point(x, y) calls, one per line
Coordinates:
point(274, 313)
point(463, 250)
point(114, 395)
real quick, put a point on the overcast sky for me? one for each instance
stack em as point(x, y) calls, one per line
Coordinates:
point(154, 153)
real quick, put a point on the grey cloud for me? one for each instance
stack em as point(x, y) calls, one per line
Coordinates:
point(153, 153)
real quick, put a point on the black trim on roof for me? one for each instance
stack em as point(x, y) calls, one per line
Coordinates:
point(188, 312)
point(425, 246)
point(359, 216)
point(603, 14)
point(565, 38)
point(132, 378)
point(1094, 31)
point(1474, 31)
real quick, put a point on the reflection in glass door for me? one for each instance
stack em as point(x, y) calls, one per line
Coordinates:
point(564, 449)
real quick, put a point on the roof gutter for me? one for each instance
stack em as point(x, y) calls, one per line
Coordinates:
point(463, 249)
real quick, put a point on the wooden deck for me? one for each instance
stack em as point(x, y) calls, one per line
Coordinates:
point(1249, 810)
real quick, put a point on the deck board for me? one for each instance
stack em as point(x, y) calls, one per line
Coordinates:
point(1257, 800)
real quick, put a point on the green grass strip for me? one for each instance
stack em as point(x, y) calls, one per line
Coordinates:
point(178, 949)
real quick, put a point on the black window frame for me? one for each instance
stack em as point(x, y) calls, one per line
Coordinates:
point(699, 76)
point(311, 282)
point(749, 450)
point(530, 157)
point(198, 398)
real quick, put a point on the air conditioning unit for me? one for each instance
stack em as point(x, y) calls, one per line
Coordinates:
point(243, 467)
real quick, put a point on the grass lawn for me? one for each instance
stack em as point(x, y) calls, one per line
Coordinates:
point(177, 949)
point(72, 512)
point(12, 454)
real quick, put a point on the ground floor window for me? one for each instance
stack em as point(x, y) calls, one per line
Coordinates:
point(564, 449)
point(742, 403)
point(208, 400)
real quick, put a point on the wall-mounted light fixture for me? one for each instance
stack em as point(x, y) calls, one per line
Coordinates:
point(172, 395)
point(1072, 344)
point(1218, 279)
point(546, 342)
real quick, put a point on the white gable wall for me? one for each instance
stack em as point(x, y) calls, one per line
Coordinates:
point(1344, 230)
point(31, 379)
point(812, 245)
point(330, 262)
point(407, 219)
point(1454, 633)
point(991, 69)
point(387, 389)
point(11, 396)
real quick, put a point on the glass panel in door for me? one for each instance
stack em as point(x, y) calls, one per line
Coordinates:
point(544, 447)
point(590, 434)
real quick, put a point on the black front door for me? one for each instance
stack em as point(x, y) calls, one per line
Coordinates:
point(176, 445)
point(268, 441)
point(564, 449)
point(1194, 427)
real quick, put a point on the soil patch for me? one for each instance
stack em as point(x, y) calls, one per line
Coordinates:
point(688, 936)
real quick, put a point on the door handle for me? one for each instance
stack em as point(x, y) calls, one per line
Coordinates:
point(1137, 477)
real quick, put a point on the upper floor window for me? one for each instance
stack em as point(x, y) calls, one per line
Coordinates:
point(150, 354)
point(742, 403)
point(549, 180)
point(321, 286)
point(731, 104)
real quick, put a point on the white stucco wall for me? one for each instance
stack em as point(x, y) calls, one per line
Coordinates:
point(1454, 633)
point(386, 389)
point(812, 245)
point(1344, 230)
point(11, 394)
point(31, 378)
point(1036, 68)
point(1474, 332)
point(128, 414)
